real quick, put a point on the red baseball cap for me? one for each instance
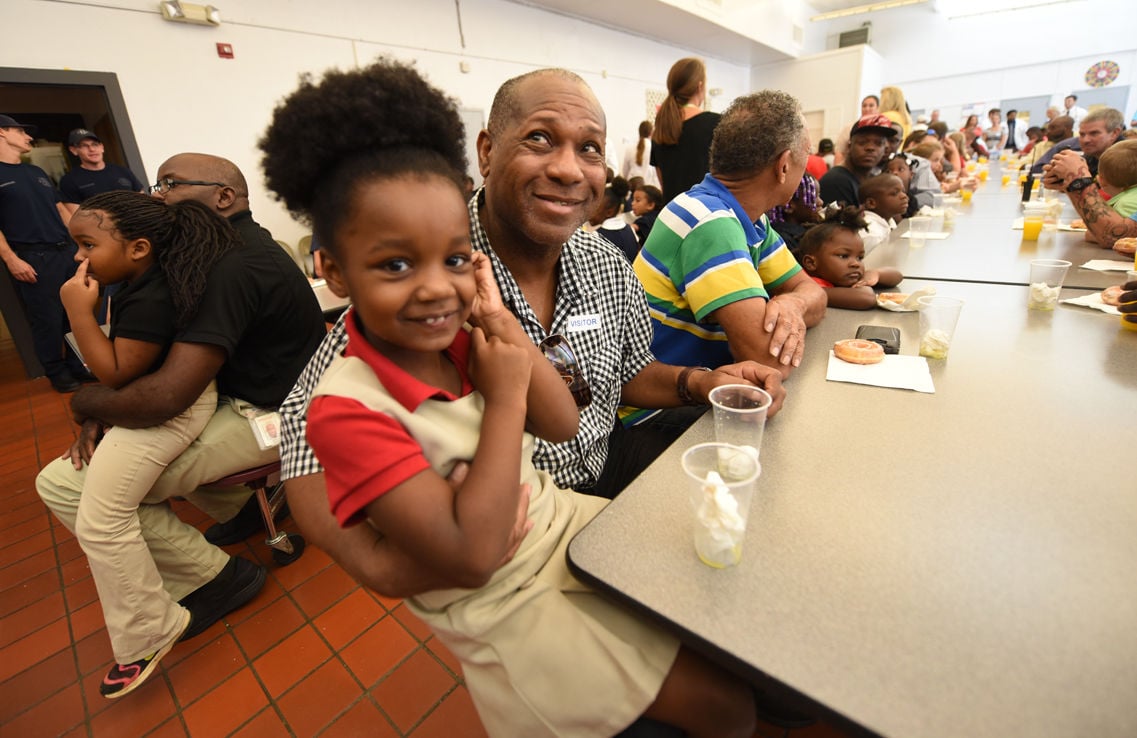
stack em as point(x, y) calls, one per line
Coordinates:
point(874, 124)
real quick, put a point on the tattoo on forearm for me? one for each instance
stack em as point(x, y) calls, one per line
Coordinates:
point(1104, 222)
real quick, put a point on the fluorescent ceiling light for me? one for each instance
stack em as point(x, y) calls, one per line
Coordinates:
point(871, 7)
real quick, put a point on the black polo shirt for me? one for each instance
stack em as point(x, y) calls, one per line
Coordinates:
point(144, 311)
point(258, 307)
point(79, 184)
point(839, 185)
point(27, 207)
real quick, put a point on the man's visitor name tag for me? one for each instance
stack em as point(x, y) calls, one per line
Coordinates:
point(583, 323)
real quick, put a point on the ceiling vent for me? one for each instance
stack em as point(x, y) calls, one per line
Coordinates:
point(855, 37)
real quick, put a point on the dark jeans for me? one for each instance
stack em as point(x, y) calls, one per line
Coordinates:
point(54, 265)
point(631, 450)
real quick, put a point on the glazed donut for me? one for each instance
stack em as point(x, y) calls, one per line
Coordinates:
point(895, 297)
point(1125, 245)
point(1078, 223)
point(1112, 295)
point(858, 351)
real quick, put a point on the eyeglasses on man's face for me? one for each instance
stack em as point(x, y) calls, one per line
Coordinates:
point(163, 186)
point(557, 350)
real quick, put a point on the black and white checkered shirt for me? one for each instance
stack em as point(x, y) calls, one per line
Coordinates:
point(600, 308)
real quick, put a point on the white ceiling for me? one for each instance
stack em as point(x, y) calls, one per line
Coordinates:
point(663, 22)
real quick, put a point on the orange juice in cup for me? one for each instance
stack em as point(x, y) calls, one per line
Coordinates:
point(966, 193)
point(1034, 215)
point(1006, 177)
point(1032, 227)
point(983, 174)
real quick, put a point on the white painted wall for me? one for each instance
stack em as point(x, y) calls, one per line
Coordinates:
point(182, 97)
point(983, 59)
point(832, 82)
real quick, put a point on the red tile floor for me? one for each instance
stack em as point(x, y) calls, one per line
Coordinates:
point(313, 654)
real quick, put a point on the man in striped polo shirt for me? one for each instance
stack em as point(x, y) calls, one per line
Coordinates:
point(721, 284)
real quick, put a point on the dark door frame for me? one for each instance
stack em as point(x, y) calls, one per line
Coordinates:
point(10, 303)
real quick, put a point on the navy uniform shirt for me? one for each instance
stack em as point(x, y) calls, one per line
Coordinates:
point(79, 184)
point(27, 207)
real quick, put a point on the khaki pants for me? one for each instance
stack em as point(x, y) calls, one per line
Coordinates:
point(182, 558)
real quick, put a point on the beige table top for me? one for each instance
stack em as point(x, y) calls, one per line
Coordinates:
point(984, 248)
point(961, 563)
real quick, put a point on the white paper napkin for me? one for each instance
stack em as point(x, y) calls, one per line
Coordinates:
point(897, 371)
point(930, 235)
point(1092, 300)
point(1108, 265)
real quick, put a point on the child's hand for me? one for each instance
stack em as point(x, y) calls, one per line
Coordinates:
point(499, 370)
point(487, 300)
point(870, 278)
point(80, 294)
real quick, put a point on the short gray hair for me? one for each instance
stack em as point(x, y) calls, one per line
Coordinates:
point(1112, 118)
point(754, 131)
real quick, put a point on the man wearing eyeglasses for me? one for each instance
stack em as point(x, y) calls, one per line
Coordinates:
point(256, 327)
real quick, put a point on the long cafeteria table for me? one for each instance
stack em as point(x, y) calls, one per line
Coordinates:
point(962, 563)
point(983, 247)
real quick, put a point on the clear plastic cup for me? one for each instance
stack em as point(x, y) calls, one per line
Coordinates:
point(740, 415)
point(721, 480)
point(918, 227)
point(1034, 217)
point(1046, 277)
point(938, 317)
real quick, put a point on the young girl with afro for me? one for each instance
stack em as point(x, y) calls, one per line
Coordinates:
point(163, 253)
point(416, 391)
point(833, 254)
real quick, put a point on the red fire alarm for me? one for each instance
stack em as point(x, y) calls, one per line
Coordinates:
point(225, 51)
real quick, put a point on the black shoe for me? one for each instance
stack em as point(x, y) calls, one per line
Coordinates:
point(238, 582)
point(64, 383)
point(242, 525)
point(85, 377)
point(778, 713)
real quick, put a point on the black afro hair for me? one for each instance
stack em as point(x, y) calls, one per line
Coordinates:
point(381, 121)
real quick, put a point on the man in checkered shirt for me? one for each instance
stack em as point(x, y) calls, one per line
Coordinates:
point(542, 158)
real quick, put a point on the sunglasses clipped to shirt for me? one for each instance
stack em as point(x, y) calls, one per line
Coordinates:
point(557, 350)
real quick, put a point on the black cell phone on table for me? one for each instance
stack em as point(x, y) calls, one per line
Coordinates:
point(887, 336)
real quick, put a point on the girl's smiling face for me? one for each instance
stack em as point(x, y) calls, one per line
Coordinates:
point(403, 257)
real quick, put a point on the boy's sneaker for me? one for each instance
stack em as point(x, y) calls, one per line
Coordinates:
point(123, 679)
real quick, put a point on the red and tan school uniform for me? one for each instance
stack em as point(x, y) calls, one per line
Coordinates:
point(542, 654)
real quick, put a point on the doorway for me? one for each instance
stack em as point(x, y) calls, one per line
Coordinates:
point(57, 101)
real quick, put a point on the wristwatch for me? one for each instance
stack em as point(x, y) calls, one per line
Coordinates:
point(1079, 184)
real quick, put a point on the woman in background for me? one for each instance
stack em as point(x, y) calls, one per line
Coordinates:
point(895, 108)
point(637, 161)
point(681, 141)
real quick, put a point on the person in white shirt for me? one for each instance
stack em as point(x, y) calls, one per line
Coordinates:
point(637, 159)
point(1075, 111)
